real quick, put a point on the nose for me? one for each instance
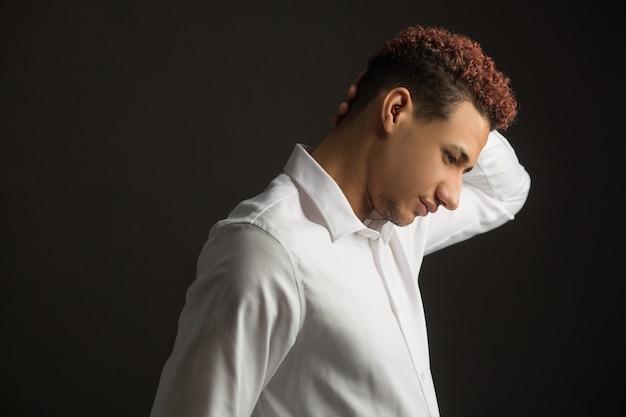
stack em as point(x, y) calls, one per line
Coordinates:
point(449, 192)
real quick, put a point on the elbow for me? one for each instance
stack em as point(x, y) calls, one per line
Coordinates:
point(516, 200)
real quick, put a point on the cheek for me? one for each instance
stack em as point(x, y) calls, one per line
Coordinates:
point(421, 179)
point(409, 179)
point(405, 173)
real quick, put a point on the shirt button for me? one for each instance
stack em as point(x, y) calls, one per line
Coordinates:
point(367, 234)
point(423, 376)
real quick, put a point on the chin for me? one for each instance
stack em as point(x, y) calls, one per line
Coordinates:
point(391, 211)
point(402, 220)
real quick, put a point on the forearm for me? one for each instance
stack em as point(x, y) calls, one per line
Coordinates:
point(492, 194)
point(499, 174)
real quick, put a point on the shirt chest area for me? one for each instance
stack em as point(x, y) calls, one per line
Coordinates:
point(362, 320)
point(360, 293)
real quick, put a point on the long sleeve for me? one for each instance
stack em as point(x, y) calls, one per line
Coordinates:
point(241, 316)
point(492, 194)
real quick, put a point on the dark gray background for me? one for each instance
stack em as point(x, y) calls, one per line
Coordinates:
point(128, 128)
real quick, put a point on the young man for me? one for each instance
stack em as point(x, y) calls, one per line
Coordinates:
point(306, 301)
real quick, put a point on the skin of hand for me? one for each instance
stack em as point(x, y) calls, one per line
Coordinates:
point(345, 105)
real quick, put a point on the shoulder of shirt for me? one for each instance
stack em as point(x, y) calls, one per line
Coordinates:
point(278, 202)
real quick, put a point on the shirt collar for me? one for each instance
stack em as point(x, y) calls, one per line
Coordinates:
point(376, 222)
point(324, 192)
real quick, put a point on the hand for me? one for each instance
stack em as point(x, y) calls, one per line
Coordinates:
point(345, 105)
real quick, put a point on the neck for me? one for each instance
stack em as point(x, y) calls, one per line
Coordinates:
point(344, 155)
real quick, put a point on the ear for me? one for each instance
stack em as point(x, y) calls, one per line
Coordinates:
point(396, 107)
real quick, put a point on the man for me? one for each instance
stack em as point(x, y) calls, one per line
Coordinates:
point(306, 301)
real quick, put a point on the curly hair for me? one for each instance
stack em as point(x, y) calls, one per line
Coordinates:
point(440, 69)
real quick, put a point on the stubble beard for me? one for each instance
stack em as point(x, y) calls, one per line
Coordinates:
point(391, 212)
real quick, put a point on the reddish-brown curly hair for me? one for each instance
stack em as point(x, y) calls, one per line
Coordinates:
point(440, 69)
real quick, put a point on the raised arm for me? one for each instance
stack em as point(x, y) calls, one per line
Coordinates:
point(492, 194)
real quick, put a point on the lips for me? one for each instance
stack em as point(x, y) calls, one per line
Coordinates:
point(426, 208)
point(423, 209)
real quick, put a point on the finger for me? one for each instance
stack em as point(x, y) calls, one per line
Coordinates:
point(341, 111)
point(352, 91)
point(354, 86)
point(343, 108)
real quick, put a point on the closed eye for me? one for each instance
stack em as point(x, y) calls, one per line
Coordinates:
point(462, 159)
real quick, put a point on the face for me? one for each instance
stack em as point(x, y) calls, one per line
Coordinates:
point(420, 165)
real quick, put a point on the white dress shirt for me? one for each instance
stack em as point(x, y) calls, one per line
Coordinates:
point(299, 309)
